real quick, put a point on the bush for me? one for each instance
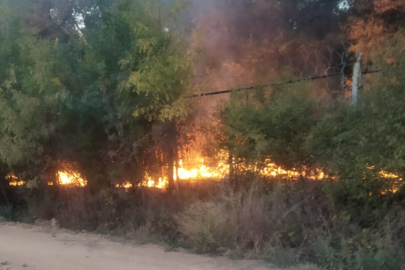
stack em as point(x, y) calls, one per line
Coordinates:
point(289, 223)
point(243, 220)
point(285, 223)
point(207, 226)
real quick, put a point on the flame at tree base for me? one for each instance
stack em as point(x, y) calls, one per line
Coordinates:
point(71, 178)
point(14, 180)
point(200, 170)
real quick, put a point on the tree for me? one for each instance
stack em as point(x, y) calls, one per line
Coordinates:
point(85, 82)
point(154, 69)
point(273, 126)
point(362, 145)
point(373, 24)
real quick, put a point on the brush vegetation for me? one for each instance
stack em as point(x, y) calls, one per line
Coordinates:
point(102, 87)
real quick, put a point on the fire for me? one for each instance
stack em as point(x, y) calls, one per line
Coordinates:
point(201, 171)
point(162, 183)
point(124, 185)
point(17, 183)
point(14, 180)
point(65, 177)
point(389, 175)
point(271, 169)
point(395, 185)
point(149, 182)
point(71, 178)
point(198, 169)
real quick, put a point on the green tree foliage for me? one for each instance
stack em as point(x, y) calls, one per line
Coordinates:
point(360, 142)
point(86, 81)
point(273, 124)
point(30, 91)
point(361, 149)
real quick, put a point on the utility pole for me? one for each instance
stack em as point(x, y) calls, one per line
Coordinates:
point(356, 74)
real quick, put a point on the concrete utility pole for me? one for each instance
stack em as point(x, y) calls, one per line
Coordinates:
point(356, 74)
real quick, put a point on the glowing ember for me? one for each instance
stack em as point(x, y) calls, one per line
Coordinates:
point(389, 175)
point(17, 183)
point(149, 182)
point(272, 170)
point(124, 185)
point(396, 183)
point(198, 169)
point(14, 180)
point(71, 179)
point(201, 172)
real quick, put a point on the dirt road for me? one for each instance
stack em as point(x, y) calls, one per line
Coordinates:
point(42, 248)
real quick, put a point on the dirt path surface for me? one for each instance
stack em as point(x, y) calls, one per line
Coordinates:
point(42, 248)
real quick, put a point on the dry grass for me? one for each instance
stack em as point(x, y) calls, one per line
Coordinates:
point(285, 223)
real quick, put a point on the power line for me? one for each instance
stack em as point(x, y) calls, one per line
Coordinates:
point(248, 88)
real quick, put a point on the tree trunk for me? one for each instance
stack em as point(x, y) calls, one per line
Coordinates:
point(177, 170)
point(356, 74)
point(170, 160)
point(8, 204)
point(231, 168)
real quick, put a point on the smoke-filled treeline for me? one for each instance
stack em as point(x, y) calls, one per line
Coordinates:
point(104, 86)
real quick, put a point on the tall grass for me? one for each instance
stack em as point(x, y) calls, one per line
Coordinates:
point(290, 223)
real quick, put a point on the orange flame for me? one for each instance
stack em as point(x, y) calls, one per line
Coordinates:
point(201, 172)
point(17, 183)
point(149, 182)
point(14, 180)
point(124, 185)
point(71, 179)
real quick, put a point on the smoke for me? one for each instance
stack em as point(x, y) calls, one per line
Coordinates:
point(225, 38)
point(248, 42)
point(251, 42)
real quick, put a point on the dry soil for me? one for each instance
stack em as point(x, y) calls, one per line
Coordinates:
point(47, 248)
